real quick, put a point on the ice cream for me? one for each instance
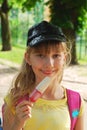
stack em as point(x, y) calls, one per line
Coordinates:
point(38, 91)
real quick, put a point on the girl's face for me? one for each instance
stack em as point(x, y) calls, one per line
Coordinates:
point(46, 63)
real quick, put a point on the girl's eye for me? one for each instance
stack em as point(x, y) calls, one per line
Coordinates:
point(57, 56)
point(40, 55)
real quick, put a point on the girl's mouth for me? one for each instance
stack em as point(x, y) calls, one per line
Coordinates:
point(48, 72)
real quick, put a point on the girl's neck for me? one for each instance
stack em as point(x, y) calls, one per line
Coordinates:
point(54, 92)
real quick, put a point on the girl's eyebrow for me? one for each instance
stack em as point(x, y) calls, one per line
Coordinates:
point(36, 52)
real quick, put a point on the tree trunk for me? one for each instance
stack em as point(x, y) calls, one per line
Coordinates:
point(5, 30)
point(71, 35)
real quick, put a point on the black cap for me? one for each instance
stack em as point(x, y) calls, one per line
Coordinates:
point(44, 31)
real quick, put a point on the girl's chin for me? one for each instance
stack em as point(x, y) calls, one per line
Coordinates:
point(48, 74)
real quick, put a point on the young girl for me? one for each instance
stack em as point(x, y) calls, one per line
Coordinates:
point(46, 56)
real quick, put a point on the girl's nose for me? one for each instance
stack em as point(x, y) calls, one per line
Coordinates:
point(49, 62)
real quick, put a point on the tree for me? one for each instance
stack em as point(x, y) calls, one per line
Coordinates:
point(70, 15)
point(5, 31)
point(5, 7)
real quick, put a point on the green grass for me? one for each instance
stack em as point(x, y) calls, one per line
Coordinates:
point(81, 54)
point(15, 55)
point(83, 61)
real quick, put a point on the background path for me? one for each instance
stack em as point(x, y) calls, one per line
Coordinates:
point(75, 77)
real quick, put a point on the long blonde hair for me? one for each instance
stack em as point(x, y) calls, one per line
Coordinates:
point(25, 80)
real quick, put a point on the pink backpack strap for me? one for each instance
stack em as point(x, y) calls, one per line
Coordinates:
point(74, 103)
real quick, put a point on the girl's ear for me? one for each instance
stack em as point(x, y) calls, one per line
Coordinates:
point(26, 56)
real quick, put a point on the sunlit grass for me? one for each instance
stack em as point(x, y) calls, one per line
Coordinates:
point(15, 55)
point(83, 61)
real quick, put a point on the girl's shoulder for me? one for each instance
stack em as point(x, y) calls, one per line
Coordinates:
point(8, 99)
point(8, 103)
point(75, 102)
point(74, 99)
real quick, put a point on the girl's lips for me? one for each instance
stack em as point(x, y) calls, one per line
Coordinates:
point(48, 72)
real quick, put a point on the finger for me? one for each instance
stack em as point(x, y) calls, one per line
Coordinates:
point(26, 108)
point(23, 109)
point(27, 114)
point(23, 113)
point(25, 102)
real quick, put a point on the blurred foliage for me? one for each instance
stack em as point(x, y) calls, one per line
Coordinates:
point(20, 20)
point(68, 13)
point(23, 4)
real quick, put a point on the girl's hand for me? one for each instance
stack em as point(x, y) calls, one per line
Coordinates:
point(23, 112)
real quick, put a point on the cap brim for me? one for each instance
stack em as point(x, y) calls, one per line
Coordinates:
point(39, 39)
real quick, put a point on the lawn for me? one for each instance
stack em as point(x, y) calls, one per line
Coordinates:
point(15, 55)
point(83, 61)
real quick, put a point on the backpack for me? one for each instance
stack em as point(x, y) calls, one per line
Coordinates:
point(74, 103)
